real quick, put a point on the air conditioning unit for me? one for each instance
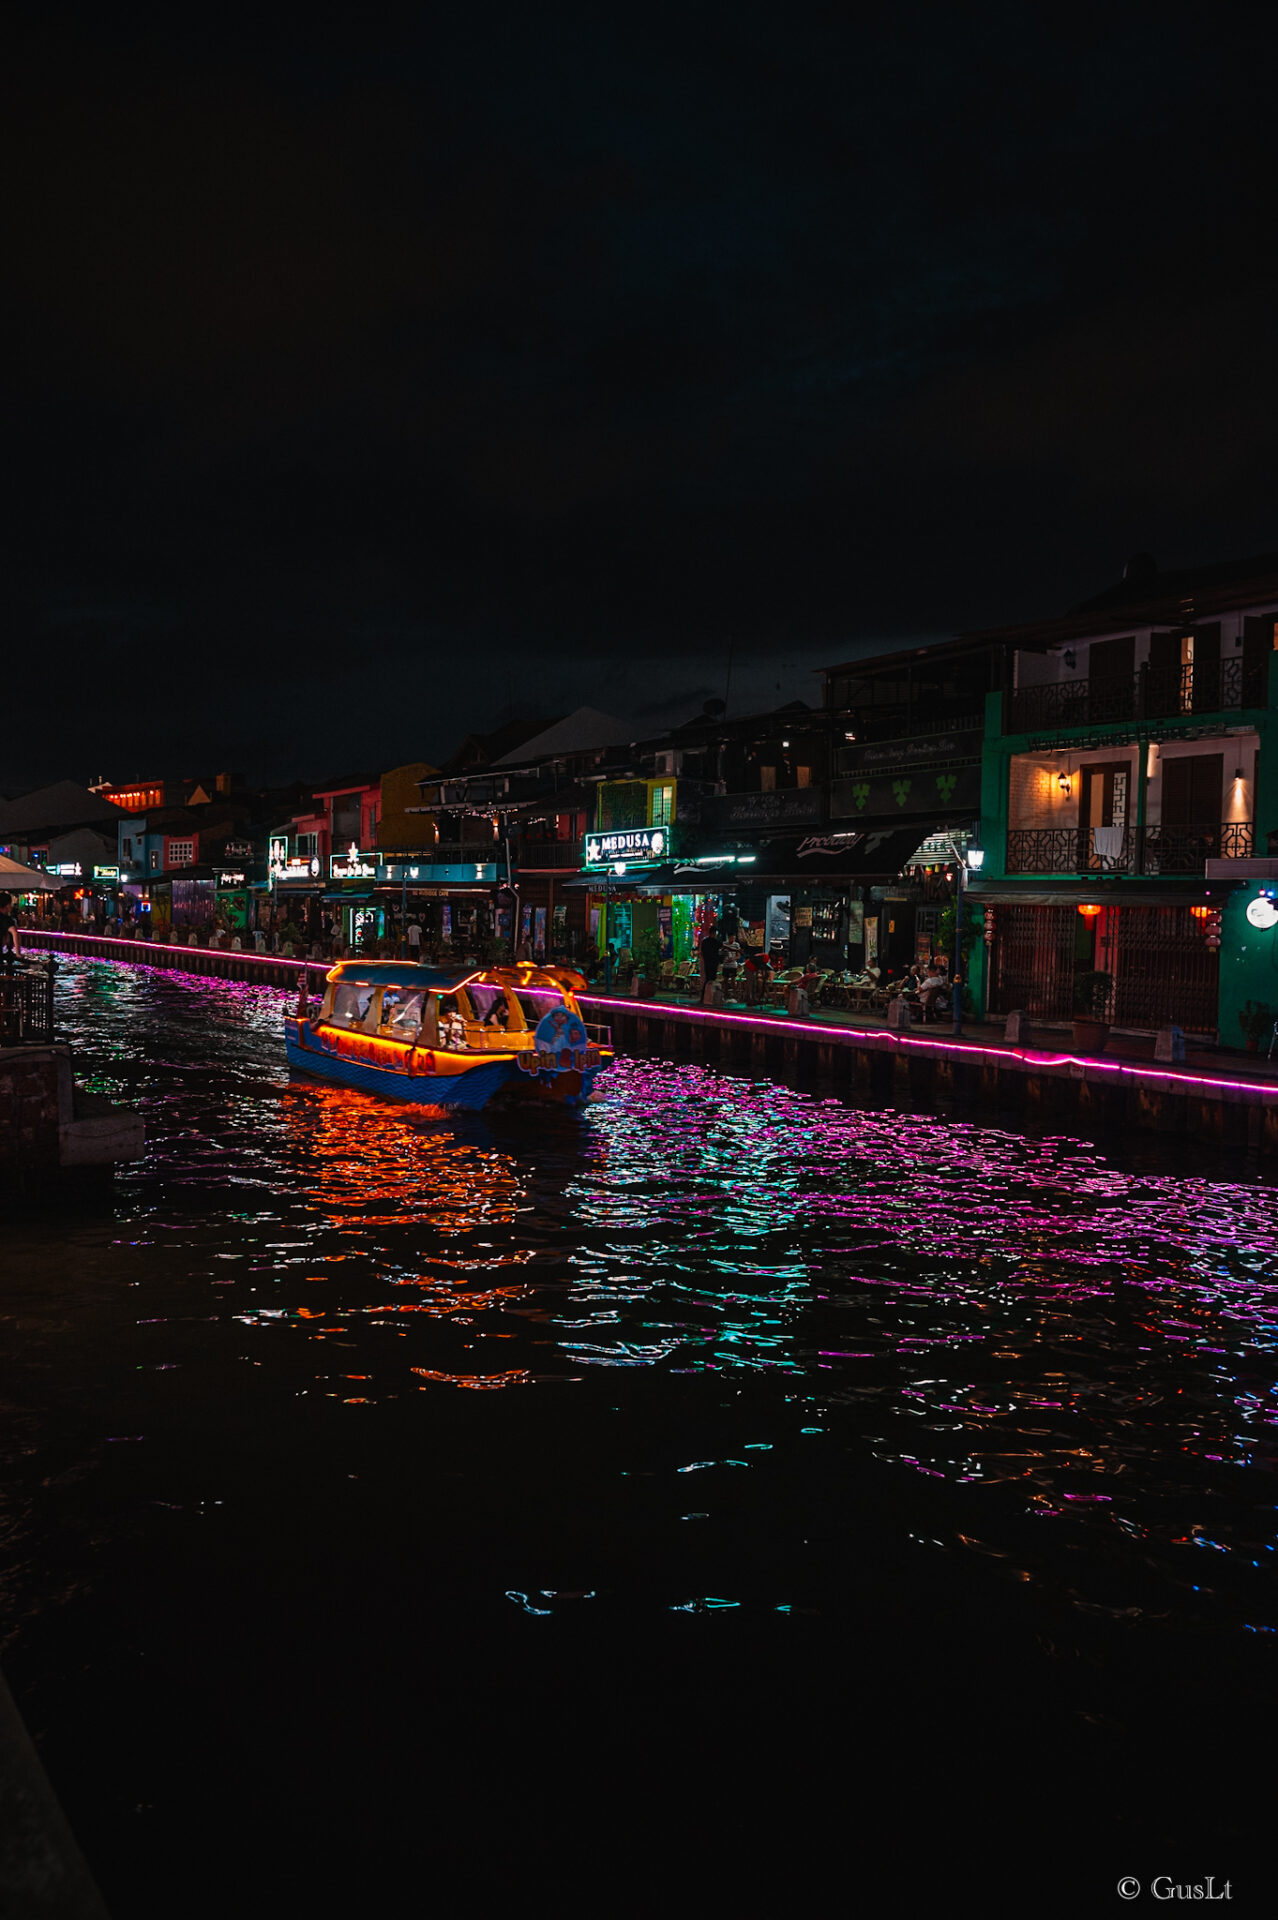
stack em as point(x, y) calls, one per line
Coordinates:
point(668, 763)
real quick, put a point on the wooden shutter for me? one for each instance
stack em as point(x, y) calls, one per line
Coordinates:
point(1258, 644)
point(1192, 790)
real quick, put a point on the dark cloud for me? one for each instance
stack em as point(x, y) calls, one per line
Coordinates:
point(541, 355)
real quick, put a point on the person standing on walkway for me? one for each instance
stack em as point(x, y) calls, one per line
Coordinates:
point(729, 961)
point(711, 948)
point(8, 932)
point(414, 938)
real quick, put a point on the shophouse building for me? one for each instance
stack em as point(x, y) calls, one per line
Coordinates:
point(514, 813)
point(1130, 785)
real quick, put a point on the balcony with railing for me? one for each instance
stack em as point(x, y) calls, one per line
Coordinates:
point(1157, 850)
point(1155, 693)
point(547, 856)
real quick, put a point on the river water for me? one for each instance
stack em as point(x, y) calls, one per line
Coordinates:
point(721, 1484)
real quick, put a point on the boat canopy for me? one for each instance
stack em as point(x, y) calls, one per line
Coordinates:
point(400, 973)
point(404, 973)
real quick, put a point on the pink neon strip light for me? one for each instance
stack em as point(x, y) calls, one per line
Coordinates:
point(881, 1041)
point(877, 1039)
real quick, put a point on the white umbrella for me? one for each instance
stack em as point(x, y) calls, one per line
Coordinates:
point(15, 878)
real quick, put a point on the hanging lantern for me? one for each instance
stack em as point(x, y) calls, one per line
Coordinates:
point(1089, 913)
point(1201, 913)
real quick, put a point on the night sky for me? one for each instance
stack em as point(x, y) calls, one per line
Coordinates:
point(369, 376)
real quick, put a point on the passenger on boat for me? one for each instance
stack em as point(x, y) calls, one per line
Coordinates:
point(452, 1029)
point(401, 1013)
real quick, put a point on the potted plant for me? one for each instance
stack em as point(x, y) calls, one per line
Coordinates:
point(1091, 1011)
point(1256, 1020)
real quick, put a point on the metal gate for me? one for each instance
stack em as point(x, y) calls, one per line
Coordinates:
point(1164, 972)
point(1034, 961)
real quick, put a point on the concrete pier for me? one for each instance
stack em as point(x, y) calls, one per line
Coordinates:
point(42, 1871)
point(1229, 1109)
point(1232, 1105)
point(52, 1131)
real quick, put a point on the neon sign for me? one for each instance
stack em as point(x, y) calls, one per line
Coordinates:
point(636, 846)
point(356, 866)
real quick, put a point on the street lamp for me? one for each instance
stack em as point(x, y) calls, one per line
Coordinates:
point(973, 857)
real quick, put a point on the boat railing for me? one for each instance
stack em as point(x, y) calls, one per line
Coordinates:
point(601, 1035)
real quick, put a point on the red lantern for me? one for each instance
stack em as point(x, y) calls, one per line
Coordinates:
point(1089, 913)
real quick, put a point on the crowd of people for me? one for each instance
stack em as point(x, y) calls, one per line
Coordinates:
point(745, 972)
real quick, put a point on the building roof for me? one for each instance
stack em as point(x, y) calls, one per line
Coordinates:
point(1146, 598)
point(479, 750)
point(577, 732)
point(903, 656)
point(65, 804)
point(346, 783)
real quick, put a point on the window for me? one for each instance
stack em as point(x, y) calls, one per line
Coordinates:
point(350, 1004)
point(662, 806)
point(767, 779)
point(401, 1013)
point(181, 853)
point(307, 844)
point(803, 776)
point(128, 849)
point(155, 860)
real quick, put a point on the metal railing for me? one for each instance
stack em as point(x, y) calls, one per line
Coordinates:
point(26, 1004)
point(533, 856)
point(1187, 849)
point(1162, 849)
point(459, 853)
point(1156, 693)
point(1067, 850)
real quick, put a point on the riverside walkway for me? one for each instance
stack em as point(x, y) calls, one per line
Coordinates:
point(1224, 1098)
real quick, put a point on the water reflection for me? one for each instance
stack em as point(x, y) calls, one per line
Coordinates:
point(1063, 1368)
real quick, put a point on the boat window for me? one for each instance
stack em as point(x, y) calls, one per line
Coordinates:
point(401, 1012)
point(490, 1006)
point(350, 1004)
point(535, 1007)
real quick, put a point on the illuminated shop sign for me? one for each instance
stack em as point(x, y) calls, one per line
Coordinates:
point(106, 873)
point(281, 867)
point(67, 869)
point(230, 879)
point(1262, 912)
point(352, 865)
point(426, 873)
point(636, 846)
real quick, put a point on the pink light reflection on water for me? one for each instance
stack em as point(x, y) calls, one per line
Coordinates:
point(1039, 1316)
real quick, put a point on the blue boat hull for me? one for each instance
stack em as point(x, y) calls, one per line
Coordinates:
point(457, 1093)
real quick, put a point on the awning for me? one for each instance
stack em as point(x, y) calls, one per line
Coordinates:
point(352, 895)
point(830, 858)
point(1173, 891)
point(15, 878)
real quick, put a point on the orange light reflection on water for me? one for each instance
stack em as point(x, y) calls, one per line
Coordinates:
point(374, 1163)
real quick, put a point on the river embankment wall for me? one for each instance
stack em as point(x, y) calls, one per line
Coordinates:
point(1034, 1086)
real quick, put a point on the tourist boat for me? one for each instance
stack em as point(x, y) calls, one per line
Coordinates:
point(450, 1039)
